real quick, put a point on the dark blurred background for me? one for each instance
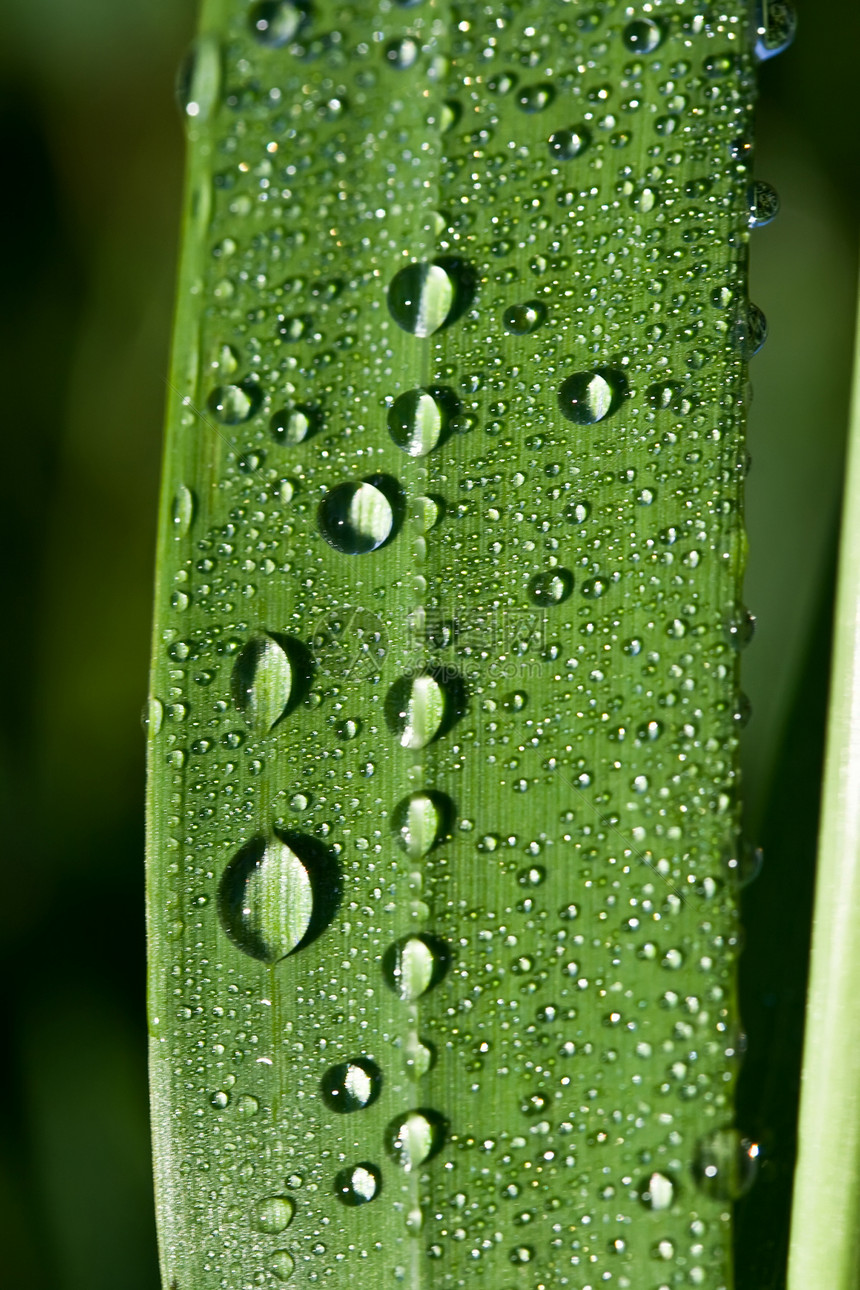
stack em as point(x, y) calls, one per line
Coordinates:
point(91, 146)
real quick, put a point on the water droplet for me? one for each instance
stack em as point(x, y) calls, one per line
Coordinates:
point(281, 1265)
point(725, 1164)
point(274, 1214)
point(292, 425)
point(415, 422)
point(658, 1192)
point(402, 54)
point(565, 145)
point(427, 513)
point(198, 81)
point(233, 404)
point(764, 204)
point(415, 709)
point(419, 1056)
point(752, 331)
point(414, 964)
point(262, 682)
point(535, 98)
point(265, 899)
point(741, 630)
point(358, 1184)
point(578, 512)
point(152, 717)
point(642, 36)
point(275, 22)
point(588, 397)
point(421, 298)
point(421, 821)
point(551, 587)
point(355, 518)
point(776, 24)
point(522, 320)
point(414, 1138)
point(351, 1086)
point(182, 511)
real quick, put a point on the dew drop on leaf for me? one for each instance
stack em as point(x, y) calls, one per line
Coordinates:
point(265, 899)
point(275, 22)
point(725, 1164)
point(419, 822)
point(415, 709)
point(198, 80)
point(420, 298)
point(566, 145)
point(413, 1138)
point(551, 587)
point(358, 1184)
point(642, 36)
point(351, 1085)
point(282, 1265)
point(523, 319)
point(182, 511)
point(413, 965)
point(355, 518)
point(273, 1214)
point(233, 404)
point(415, 422)
point(776, 24)
point(292, 425)
point(764, 204)
point(588, 397)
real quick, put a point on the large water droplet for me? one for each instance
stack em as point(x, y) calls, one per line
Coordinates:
point(551, 587)
point(351, 1086)
point(415, 422)
point(565, 145)
point(725, 1164)
point(265, 899)
point(274, 1214)
point(414, 1138)
point(358, 1184)
point(415, 709)
point(421, 297)
point(414, 964)
point(752, 331)
point(198, 81)
point(642, 36)
point(282, 1265)
point(233, 404)
point(275, 22)
point(776, 24)
point(292, 425)
point(262, 682)
point(764, 204)
point(421, 821)
point(522, 320)
point(587, 397)
point(355, 518)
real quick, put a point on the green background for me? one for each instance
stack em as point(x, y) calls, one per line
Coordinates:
point(92, 151)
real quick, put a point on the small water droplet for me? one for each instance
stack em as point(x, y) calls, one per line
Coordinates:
point(182, 511)
point(764, 204)
point(198, 81)
point(776, 24)
point(588, 397)
point(522, 320)
point(642, 36)
point(275, 22)
point(421, 298)
point(351, 1086)
point(262, 682)
point(265, 899)
point(233, 404)
point(274, 1214)
point(414, 964)
point(355, 518)
point(358, 1184)
point(420, 822)
point(725, 1164)
point(415, 1137)
point(566, 145)
point(415, 422)
point(415, 709)
point(551, 587)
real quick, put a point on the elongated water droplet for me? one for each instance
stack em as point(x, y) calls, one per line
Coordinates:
point(420, 298)
point(551, 587)
point(419, 1056)
point(275, 22)
point(265, 899)
point(262, 681)
point(725, 1164)
point(233, 404)
point(351, 1086)
point(274, 1214)
point(421, 821)
point(642, 36)
point(182, 511)
point(198, 81)
point(415, 1137)
point(764, 204)
point(752, 331)
point(658, 1192)
point(415, 709)
point(566, 145)
point(588, 397)
point(522, 320)
point(414, 964)
point(776, 24)
point(355, 518)
point(358, 1184)
point(415, 422)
